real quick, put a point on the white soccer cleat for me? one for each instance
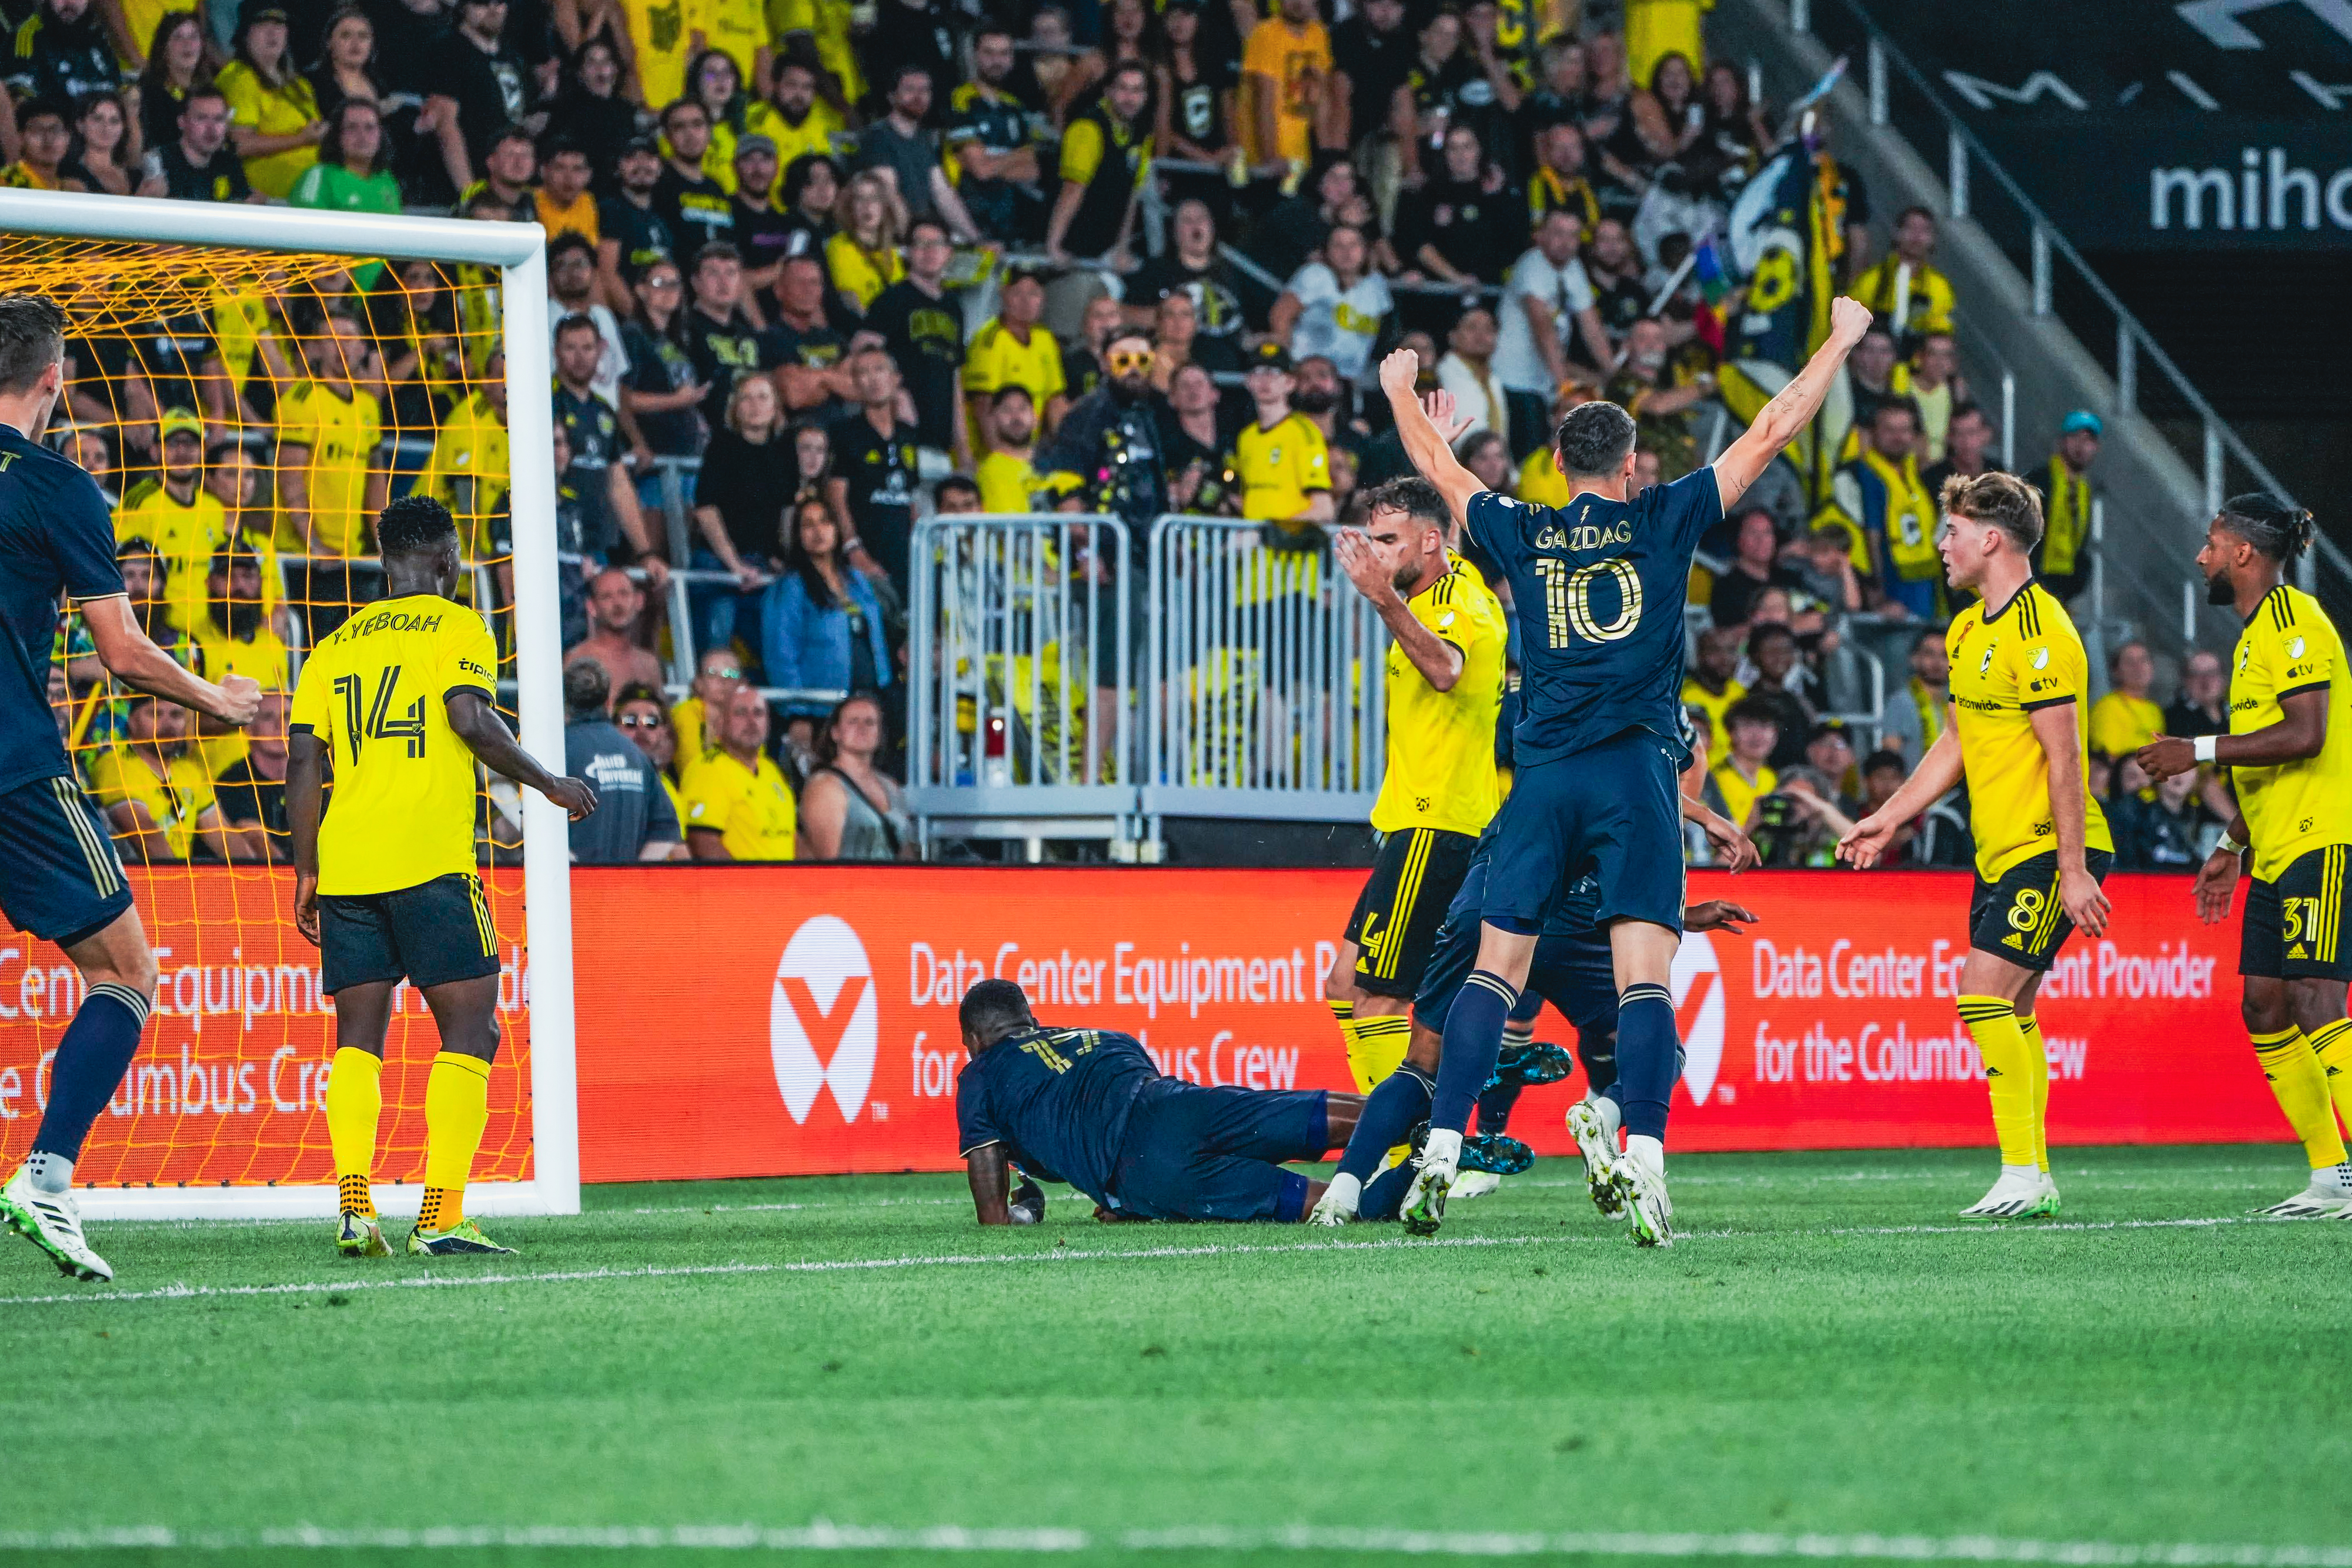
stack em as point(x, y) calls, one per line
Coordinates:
point(2329, 1196)
point(52, 1222)
point(1338, 1205)
point(1435, 1172)
point(1474, 1184)
point(1639, 1176)
point(1589, 1122)
point(2022, 1192)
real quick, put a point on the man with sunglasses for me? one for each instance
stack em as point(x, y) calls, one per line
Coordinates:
point(715, 680)
point(635, 820)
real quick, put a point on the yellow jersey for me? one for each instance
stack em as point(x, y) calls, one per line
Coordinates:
point(402, 812)
point(750, 809)
point(737, 26)
point(213, 654)
point(860, 273)
point(685, 722)
point(341, 436)
point(1739, 796)
point(996, 360)
point(1006, 482)
point(1441, 747)
point(2292, 808)
point(176, 800)
point(272, 112)
point(815, 133)
point(1541, 484)
point(187, 537)
point(1279, 468)
point(660, 32)
point(2121, 723)
point(471, 446)
point(2007, 665)
point(1297, 61)
point(1715, 705)
point(141, 17)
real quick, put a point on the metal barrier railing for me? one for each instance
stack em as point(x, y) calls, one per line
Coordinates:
point(1264, 689)
point(1021, 676)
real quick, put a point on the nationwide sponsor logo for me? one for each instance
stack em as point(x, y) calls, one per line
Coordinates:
point(824, 1018)
point(1695, 981)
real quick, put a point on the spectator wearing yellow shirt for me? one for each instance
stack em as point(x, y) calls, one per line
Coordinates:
point(716, 677)
point(863, 258)
point(792, 116)
point(1015, 350)
point(329, 484)
point(234, 639)
point(469, 469)
point(1903, 291)
point(171, 510)
point(737, 30)
point(1007, 477)
point(737, 806)
point(1711, 689)
point(274, 125)
point(1742, 778)
point(561, 202)
point(827, 24)
point(44, 138)
point(662, 38)
point(1287, 72)
point(158, 799)
point(2127, 718)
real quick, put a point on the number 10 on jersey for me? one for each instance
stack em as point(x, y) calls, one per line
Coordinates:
point(1567, 601)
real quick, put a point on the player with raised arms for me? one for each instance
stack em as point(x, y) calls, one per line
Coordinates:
point(2020, 681)
point(399, 704)
point(1600, 585)
point(59, 876)
point(2289, 752)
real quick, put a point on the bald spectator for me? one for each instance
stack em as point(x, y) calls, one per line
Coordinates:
point(614, 603)
point(634, 820)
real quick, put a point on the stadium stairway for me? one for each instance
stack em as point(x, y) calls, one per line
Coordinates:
point(2157, 503)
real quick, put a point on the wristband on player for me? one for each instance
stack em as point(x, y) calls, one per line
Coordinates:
point(2228, 846)
point(2205, 747)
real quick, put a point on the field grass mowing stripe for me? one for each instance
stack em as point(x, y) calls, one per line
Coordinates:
point(823, 1536)
point(186, 1292)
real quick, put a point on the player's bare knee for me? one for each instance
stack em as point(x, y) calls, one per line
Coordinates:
point(2264, 1007)
point(2313, 1004)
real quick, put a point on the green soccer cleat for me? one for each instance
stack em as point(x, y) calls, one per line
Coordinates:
point(361, 1237)
point(463, 1239)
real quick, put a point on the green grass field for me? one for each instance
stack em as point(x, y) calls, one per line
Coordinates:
point(1826, 1351)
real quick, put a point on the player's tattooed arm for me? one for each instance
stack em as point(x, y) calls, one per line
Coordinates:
point(986, 1169)
point(2055, 727)
point(1792, 407)
point(485, 734)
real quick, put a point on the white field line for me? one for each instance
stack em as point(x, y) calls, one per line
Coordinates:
point(186, 1292)
point(823, 1536)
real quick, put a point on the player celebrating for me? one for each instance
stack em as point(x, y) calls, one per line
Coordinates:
point(2019, 678)
point(2290, 752)
point(59, 876)
point(1443, 690)
point(1596, 750)
point(398, 701)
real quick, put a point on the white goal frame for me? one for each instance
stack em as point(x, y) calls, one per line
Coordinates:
point(520, 251)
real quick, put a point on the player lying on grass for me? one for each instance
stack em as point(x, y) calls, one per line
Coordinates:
point(61, 878)
point(1087, 1107)
point(400, 704)
point(2015, 733)
point(1572, 969)
point(2289, 752)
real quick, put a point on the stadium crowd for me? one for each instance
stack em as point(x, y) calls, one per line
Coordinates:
point(817, 270)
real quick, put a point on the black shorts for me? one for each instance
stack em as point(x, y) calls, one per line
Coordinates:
point(59, 876)
point(1194, 1152)
point(2018, 918)
point(1403, 903)
point(2293, 929)
point(429, 935)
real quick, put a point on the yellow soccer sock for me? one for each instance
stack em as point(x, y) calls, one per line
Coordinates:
point(354, 1105)
point(1378, 1049)
point(457, 1109)
point(2009, 1077)
point(2300, 1082)
point(2037, 1063)
point(2333, 1046)
point(1343, 1013)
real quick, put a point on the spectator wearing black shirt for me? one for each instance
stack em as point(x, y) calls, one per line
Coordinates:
point(2203, 706)
point(1373, 54)
point(901, 144)
point(810, 356)
point(477, 79)
point(62, 52)
point(661, 391)
point(872, 488)
point(1614, 267)
point(1755, 567)
point(719, 339)
point(590, 113)
point(175, 62)
point(764, 232)
point(990, 134)
point(1432, 94)
point(739, 511)
point(1773, 649)
point(696, 207)
point(922, 330)
point(634, 234)
point(199, 165)
point(252, 790)
point(1465, 225)
point(1298, 229)
point(509, 165)
point(812, 186)
point(917, 35)
point(1192, 267)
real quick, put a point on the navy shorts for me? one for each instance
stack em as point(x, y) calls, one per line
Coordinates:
point(1576, 974)
point(1197, 1152)
point(59, 876)
point(1609, 811)
point(430, 934)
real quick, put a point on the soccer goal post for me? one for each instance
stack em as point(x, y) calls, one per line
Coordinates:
point(259, 380)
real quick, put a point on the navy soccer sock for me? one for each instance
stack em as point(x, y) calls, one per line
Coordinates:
point(1596, 1047)
point(1395, 1105)
point(1474, 1040)
point(1385, 1195)
point(1494, 1107)
point(96, 1048)
point(1648, 1056)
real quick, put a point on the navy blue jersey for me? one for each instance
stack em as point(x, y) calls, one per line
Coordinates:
point(57, 538)
point(1058, 1099)
point(1599, 587)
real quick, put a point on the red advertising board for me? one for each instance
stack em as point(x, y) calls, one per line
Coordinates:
point(772, 1020)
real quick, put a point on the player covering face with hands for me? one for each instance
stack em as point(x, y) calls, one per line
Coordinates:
point(400, 704)
point(1600, 584)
